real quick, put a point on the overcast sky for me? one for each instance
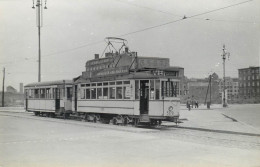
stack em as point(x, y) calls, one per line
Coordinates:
point(73, 31)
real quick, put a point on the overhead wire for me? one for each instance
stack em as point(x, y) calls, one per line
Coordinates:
point(172, 14)
point(145, 29)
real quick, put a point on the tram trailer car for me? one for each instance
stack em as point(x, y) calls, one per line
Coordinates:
point(121, 88)
point(49, 98)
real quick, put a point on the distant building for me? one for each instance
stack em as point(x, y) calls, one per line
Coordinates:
point(249, 84)
point(11, 89)
point(198, 89)
point(232, 88)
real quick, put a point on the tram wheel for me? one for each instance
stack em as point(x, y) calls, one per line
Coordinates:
point(114, 121)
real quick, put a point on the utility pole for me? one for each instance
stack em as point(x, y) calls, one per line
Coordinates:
point(39, 24)
point(224, 56)
point(3, 90)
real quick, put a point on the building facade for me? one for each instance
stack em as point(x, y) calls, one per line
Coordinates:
point(232, 89)
point(249, 84)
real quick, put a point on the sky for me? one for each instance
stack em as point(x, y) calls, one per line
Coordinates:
point(74, 30)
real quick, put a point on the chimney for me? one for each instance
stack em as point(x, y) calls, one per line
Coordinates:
point(21, 88)
point(96, 56)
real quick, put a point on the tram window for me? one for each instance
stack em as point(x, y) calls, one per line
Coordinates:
point(93, 84)
point(111, 83)
point(112, 93)
point(87, 93)
point(99, 93)
point(126, 92)
point(157, 89)
point(42, 92)
point(83, 85)
point(119, 82)
point(50, 93)
point(170, 89)
point(87, 85)
point(105, 83)
point(69, 93)
point(119, 92)
point(36, 93)
point(58, 93)
point(53, 90)
point(99, 84)
point(137, 92)
point(105, 93)
point(82, 93)
point(30, 93)
point(93, 93)
point(126, 82)
point(152, 92)
point(47, 93)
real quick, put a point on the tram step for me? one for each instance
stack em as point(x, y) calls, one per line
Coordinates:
point(144, 118)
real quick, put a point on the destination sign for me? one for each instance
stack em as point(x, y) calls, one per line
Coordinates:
point(111, 71)
point(153, 62)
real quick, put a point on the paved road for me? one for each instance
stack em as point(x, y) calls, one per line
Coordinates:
point(27, 140)
point(246, 113)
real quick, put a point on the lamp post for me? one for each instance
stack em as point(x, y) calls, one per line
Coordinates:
point(39, 25)
point(224, 56)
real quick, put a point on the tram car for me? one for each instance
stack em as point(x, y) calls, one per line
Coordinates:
point(49, 98)
point(118, 87)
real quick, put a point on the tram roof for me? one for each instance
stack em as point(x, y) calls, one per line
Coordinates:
point(48, 83)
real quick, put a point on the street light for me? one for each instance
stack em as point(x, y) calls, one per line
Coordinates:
point(39, 25)
point(224, 56)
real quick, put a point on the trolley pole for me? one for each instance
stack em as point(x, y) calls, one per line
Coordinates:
point(3, 90)
point(39, 25)
point(224, 56)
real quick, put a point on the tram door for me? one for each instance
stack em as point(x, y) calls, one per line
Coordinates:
point(144, 96)
point(57, 98)
point(75, 97)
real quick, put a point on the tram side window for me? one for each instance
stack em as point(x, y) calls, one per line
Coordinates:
point(42, 93)
point(152, 92)
point(36, 93)
point(137, 92)
point(126, 92)
point(157, 89)
point(99, 93)
point(105, 93)
point(82, 93)
point(87, 93)
point(93, 93)
point(47, 93)
point(69, 92)
point(112, 93)
point(31, 93)
point(119, 92)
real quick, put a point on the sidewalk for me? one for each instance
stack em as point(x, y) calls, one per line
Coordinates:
point(213, 119)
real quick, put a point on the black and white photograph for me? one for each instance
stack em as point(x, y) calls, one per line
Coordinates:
point(123, 83)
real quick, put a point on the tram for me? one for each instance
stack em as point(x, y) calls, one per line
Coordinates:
point(49, 98)
point(118, 87)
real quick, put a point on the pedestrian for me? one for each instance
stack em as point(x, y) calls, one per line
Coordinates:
point(188, 103)
point(196, 104)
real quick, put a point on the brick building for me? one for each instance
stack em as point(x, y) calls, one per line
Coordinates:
point(249, 84)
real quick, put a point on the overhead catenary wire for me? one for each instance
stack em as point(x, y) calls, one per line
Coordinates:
point(144, 29)
point(180, 16)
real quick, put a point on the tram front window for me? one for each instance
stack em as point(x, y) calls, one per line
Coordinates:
point(170, 89)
